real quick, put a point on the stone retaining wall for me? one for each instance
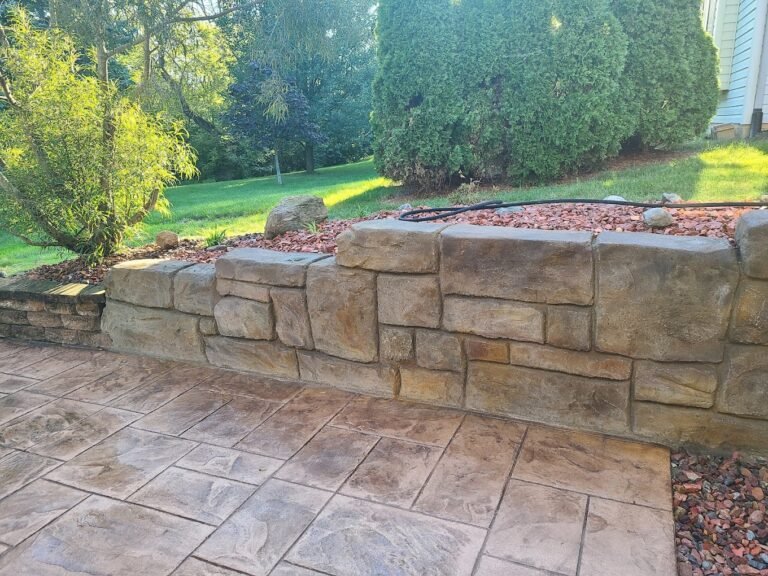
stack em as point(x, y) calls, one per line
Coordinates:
point(47, 311)
point(637, 335)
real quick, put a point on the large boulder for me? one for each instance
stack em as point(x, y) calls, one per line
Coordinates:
point(295, 213)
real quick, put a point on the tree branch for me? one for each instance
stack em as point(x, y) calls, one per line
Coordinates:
point(176, 19)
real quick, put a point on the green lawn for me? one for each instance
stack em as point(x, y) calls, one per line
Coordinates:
point(713, 172)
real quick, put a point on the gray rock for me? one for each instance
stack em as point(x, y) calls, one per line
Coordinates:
point(515, 264)
point(658, 218)
point(295, 213)
point(3, 274)
point(509, 210)
point(752, 238)
point(167, 240)
point(615, 198)
point(405, 208)
point(671, 198)
point(664, 298)
point(154, 332)
point(217, 248)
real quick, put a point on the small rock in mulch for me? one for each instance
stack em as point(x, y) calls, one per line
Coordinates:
point(615, 198)
point(720, 515)
point(671, 198)
point(167, 240)
point(658, 218)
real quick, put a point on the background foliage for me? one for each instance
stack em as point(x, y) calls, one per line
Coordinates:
point(464, 90)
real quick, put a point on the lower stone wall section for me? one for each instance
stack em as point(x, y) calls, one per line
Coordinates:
point(48, 311)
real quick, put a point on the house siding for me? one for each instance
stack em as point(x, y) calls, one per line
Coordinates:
point(733, 106)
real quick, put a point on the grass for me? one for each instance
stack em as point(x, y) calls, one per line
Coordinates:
point(737, 171)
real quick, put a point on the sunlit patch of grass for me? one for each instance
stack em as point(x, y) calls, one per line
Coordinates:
point(737, 172)
point(346, 193)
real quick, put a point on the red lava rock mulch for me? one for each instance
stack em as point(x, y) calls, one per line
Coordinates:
point(721, 521)
point(596, 218)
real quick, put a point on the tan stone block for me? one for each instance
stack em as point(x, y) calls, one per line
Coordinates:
point(13, 317)
point(431, 386)
point(88, 308)
point(390, 246)
point(44, 319)
point(409, 300)
point(22, 305)
point(292, 317)
point(752, 238)
point(260, 266)
point(257, 292)
point(82, 323)
point(553, 267)
point(560, 399)
point(240, 318)
point(683, 384)
point(589, 364)
point(195, 290)
point(745, 382)
point(486, 350)
point(371, 379)
point(395, 344)
point(62, 336)
point(61, 307)
point(208, 326)
point(146, 283)
point(163, 333)
point(664, 298)
point(268, 358)
point(438, 351)
point(569, 327)
point(678, 426)
point(749, 324)
point(494, 318)
point(342, 311)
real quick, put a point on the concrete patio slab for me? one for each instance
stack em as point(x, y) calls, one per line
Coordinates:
point(124, 465)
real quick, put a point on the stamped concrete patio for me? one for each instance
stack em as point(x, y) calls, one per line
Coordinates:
point(118, 465)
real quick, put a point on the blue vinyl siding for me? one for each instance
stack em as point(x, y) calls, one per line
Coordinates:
point(732, 104)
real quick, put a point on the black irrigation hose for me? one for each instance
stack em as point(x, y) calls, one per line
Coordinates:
point(440, 213)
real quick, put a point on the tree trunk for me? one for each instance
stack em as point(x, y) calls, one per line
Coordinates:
point(277, 168)
point(309, 158)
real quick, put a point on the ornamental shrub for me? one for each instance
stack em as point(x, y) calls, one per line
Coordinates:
point(528, 90)
point(670, 81)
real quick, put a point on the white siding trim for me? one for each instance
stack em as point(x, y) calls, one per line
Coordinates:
point(753, 86)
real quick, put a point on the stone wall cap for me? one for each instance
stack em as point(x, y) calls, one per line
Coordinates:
point(472, 231)
point(48, 291)
point(400, 225)
point(664, 242)
point(161, 266)
point(755, 218)
point(264, 256)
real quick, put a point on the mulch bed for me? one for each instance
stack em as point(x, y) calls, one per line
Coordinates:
point(595, 218)
point(721, 521)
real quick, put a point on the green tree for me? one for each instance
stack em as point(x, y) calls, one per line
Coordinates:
point(670, 83)
point(63, 182)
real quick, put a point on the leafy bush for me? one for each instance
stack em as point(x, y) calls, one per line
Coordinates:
point(670, 82)
point(528, 90)
point(79, 165)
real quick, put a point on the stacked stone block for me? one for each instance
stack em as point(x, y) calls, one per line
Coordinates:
point(40, 310)
point(637, 335)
